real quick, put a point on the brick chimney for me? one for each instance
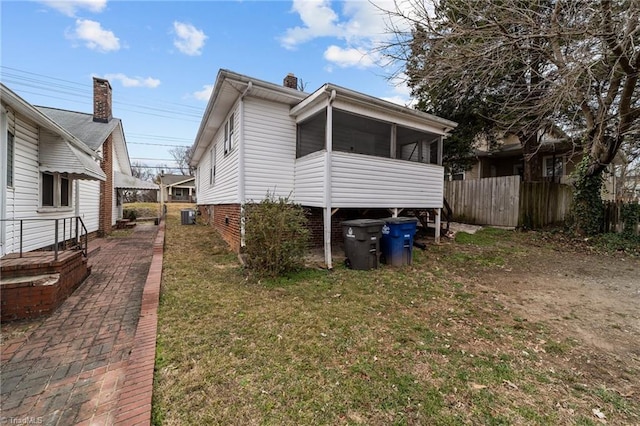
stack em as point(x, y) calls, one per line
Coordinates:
point(102, 111)
point(290, 81)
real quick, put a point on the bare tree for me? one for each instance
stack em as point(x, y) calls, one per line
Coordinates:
point(142, 171)
point(182, 155)
point(571, 63)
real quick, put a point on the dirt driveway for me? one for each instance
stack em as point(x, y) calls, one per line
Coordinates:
point(592, 300)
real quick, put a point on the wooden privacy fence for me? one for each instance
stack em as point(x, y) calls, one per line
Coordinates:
point(505, 201)
point(543, 203)
point(490, 201)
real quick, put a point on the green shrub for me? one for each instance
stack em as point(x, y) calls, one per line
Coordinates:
point(129, 214)
point(630, 213)
point(586, 210)
point(276, 236)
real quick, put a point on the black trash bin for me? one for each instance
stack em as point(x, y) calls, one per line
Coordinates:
point(397, 240)
point(362, 242)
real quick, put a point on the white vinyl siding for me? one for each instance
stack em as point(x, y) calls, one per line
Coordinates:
point(367, 181)
point(224, 187)
point(89, 198)
point(24, 199)
point(269, 149)
point(309, 179)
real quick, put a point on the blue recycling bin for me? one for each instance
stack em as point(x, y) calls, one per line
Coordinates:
point(396, 243)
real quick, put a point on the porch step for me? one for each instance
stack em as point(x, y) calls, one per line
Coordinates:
point(124, 223)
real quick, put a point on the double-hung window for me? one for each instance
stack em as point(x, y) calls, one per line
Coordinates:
point(55, 190)
point(228, 133)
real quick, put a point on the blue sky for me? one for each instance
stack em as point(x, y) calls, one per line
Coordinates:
point(162, 57)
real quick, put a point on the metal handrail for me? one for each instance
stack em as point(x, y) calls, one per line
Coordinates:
point(81, 234)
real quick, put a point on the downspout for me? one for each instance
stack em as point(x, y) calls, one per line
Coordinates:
point(241, 167)
point(439, 210)
point(4, 125)
point(327, 180)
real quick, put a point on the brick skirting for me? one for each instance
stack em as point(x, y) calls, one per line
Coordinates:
point(225, 218)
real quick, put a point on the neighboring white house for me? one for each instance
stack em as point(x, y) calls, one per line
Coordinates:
point(47, 173)
point(59, 164)
point(334, 150)
point(103, 133)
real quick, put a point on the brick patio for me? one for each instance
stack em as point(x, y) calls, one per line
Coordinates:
point(72, 368)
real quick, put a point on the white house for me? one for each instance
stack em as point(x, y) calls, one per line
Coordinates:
point(59, 165)
point(103, 133)
point(335, 151)
point(46, 173)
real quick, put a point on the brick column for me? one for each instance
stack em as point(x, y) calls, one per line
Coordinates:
point(106, 188)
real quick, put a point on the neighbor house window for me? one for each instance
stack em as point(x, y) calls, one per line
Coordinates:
point(56, 190)
point(553, 167)
point(10, 149)
point(228, 133)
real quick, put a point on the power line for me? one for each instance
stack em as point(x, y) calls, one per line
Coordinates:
point(76, 90)
point(157, 144)
point(159, 137)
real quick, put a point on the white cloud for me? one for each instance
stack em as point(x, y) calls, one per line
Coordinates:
point(349, 57)
point(134, 81)
point(205, 93)
point(94, 36)
point(70, 7)
point(361, 25)
point(189, 40)
point(318, 18)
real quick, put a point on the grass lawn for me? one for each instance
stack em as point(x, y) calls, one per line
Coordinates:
point(410, 345)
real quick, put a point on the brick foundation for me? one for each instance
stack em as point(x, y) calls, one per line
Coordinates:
point(225, 218)
point(30, 290)
point(316, 222)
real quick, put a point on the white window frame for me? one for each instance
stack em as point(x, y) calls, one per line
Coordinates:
point(10, 160)
point(57, 201)
point(229, 130)
point(212, 165)
point(551, 158)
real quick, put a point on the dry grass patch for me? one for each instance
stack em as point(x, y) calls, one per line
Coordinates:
point(412, 345)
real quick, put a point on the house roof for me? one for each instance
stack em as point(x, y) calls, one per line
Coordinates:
point(371, 103)
point(81, 125)
point(69, 154)
point(558, 146)
point(124, 181)
point(172, 180)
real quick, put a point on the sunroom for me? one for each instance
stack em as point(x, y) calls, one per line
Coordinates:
point(356, 151)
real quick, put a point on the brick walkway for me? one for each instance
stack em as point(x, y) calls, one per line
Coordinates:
point(72, 368)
